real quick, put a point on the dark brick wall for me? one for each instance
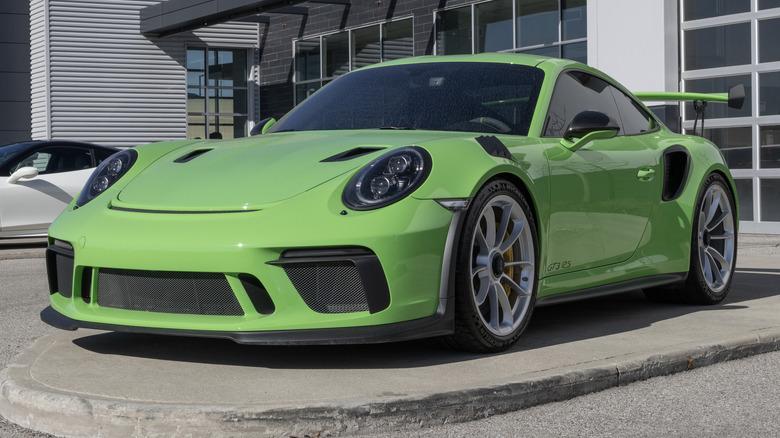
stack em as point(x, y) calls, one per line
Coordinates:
point(276, 42)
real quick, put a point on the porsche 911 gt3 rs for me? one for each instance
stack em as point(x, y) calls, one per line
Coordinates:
point(435, 196)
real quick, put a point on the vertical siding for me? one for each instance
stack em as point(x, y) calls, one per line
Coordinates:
point(107, 83)
point(39, 70)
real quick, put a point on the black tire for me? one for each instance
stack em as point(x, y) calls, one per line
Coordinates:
point(496, 279)
point(713, 249)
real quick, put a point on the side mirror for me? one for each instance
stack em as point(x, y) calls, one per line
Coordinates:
point(587, 126)
point(262, 126)
point(24, 172)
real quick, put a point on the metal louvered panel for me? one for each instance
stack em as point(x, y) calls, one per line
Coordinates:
point(39, 69)
point(96, 78)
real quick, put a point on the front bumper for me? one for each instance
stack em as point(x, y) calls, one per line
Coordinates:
point(261, 262)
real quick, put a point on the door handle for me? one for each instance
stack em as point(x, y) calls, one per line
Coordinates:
point(645, 174)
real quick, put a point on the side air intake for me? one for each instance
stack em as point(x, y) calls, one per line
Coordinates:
point(676, 165)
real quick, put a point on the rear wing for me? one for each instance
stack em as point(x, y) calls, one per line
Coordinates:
point(735, 98)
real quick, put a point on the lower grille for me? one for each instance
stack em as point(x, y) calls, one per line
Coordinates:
point(329, 286)
point(189, 293)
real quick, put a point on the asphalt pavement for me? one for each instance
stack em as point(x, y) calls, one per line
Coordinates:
point(92, 383)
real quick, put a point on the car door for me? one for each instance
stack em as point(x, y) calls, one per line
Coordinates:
point(28, 206)
point(602, 194)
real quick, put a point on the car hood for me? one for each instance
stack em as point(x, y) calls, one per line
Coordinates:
point(255, 171)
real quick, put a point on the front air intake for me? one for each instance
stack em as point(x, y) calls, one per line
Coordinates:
point(188, 293)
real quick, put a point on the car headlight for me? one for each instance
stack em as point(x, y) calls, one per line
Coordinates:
point(388, 178)
point(106, 174)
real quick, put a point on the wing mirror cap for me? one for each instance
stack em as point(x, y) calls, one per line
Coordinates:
point(587, 126)
point(26, 172)
point(589, 121)
point(262, 126)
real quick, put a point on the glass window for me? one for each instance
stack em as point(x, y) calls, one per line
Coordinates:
point(366, 47)
point(537, 23)
point(745, 199)
point(719, 46)
point(453, 31)
point(696, 9)
point(768, 36)
point(735, 143)
point(576, 92)
point(398, 40)
point(336, 54)
point(768, 4)
point(769, 141)
point(574, 19)
point(634, 118)
point(770, 199)
point(447, 96)
point(494, 26)
point(307, 60)
point(719, 85)
point(551, 51)
point(217, 93)
point(575, 52)
point(769, 93)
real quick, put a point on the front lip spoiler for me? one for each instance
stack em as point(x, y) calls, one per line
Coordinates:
point(439, 324)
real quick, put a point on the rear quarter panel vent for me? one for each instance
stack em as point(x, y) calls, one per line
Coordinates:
point(676, 165)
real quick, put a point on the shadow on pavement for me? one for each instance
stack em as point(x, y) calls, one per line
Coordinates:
point(552, 325)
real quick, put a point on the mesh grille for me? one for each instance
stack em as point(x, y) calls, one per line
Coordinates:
point(190, 293)
point(329, 287)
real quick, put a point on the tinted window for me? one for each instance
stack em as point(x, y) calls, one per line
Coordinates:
point(576, 92)
point(441, 96)
point(57, 159)
point(635, 119)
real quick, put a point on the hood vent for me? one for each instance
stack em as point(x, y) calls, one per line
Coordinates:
point(191, 155)
point(352, 153)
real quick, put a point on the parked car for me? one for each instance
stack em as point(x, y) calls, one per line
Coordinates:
point(433, 196)
point(38, 179)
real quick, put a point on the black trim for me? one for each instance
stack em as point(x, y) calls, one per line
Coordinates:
point(614, 288)
point(369, 269)
point(350, 154)
point(258, 294)
point(55, 253)
point(436, 325)
point(677, 163)
point(191, 155)
point(493, 146)
point(141, 210)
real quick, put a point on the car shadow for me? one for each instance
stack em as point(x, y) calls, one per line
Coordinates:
point(550, 325)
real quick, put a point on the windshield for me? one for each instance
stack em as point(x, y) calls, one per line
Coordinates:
point(440, 96)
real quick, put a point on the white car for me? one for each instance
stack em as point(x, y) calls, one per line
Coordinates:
point(39, 178)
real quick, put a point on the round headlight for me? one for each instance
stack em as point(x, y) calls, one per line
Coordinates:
point(106, 174)
point(388, 178)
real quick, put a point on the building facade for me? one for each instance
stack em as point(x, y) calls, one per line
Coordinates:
point(128, 72)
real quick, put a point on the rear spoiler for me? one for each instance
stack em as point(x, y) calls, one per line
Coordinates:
point(735, 98)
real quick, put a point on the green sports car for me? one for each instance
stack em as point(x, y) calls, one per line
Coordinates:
point(434, 196)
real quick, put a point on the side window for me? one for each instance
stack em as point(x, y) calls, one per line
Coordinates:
point(576, 92)
point(66, 159)
point(635, 118)
point(39, 160)
point(101, 155)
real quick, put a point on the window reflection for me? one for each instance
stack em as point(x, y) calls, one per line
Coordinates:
point(718, 46)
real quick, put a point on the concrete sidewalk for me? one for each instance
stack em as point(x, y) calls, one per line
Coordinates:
point(90, 383)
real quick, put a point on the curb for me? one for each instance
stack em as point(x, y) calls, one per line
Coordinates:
point(32, 405)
